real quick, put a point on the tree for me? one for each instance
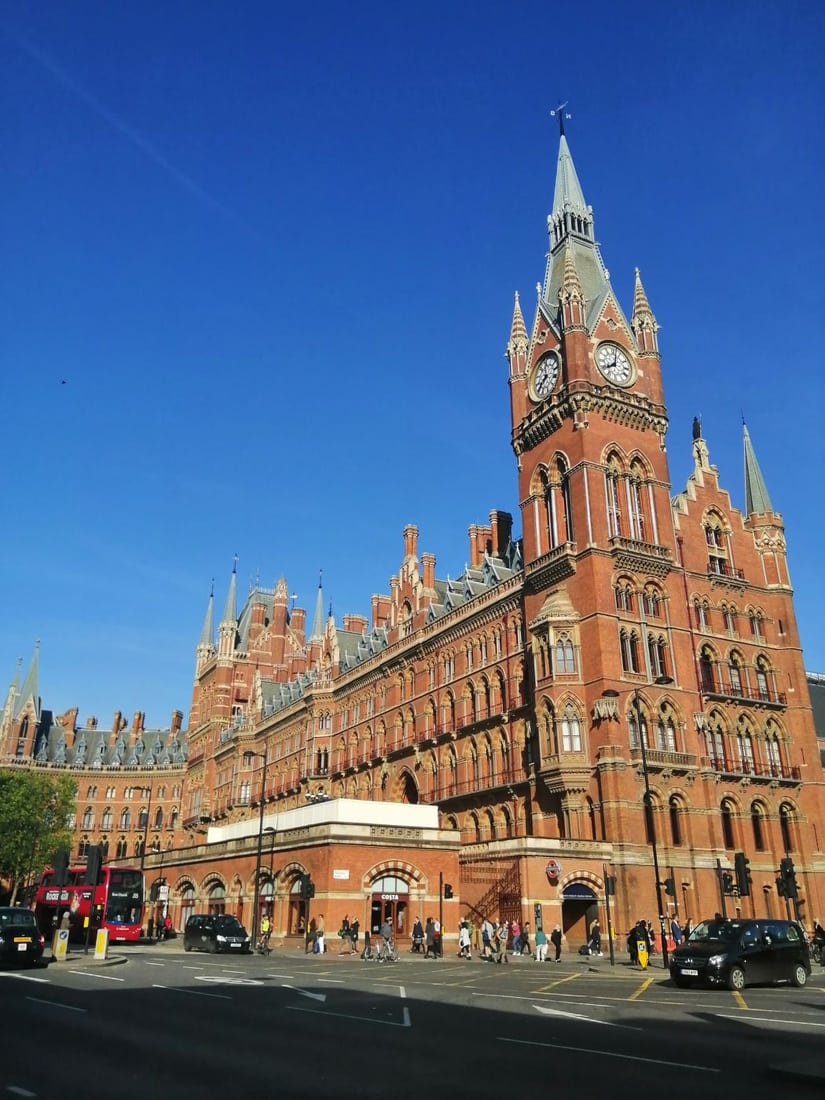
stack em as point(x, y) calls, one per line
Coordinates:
point(35, 811)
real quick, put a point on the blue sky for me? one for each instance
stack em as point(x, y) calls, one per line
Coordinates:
point(272, 253)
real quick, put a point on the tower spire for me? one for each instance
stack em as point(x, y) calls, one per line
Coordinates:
point(318, 621)
point(208, 629)
point(229, 612)
point(30, 689)
point(643, 322)
point(756, 494)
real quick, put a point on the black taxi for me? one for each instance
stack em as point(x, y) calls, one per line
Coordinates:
point(736, 953)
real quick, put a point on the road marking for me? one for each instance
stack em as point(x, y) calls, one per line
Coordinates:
point(740, 1000)
point(641, 989)
point(18, 1091)
point(402, 991)
point(361, 1019)
point(274, 975)
point(609, 1054)
point(571, 1016)
point(561, 981)
point(306, 993)
point(91, 974)
point(56, 1004)
point(331, 981)
point(751, 1019)
point(194, 992)
point(154, 964)
point(23, 977)
point(221, 979)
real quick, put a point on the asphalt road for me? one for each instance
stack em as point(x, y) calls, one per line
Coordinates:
point(202, 1026)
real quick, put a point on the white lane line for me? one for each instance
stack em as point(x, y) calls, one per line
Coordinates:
point(331, 981)
point(187, 967)
point(23, 977)
point(18, 1091)
point(586, 1019)
point(607, 1054)
point(306, 993)
point(346, 1016)
point(91, 974)
point(194, 992)
point(154, 964)
point(56, 1004)
point(289, 977)
point(402, 991)
point(747, 1018)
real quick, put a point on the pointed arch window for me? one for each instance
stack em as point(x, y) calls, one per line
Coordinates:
point(715, 742)
point(566, 517)
point(653, 602)
point(666, 731)
point(764, 678)
point(787, 827)
point(657, 653)
point(630, 651)
point(565, 656)
point(727, 824)
point(649, 808)
point(773, 753)
point(707, 671)
point(744, 749)
point(106, 820)
point(637, 728)
point(624, 596)
point(125, 819)
point(635, 494)
point(758, 826)
point(735, 674)
point(88, 821)
point(675, 811)
point(571, 738)
point(702, 610)
point(613, 494)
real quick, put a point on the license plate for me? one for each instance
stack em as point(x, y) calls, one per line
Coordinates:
point(690, 973)
point(234, 945)
point(23, 946)
point(22, 940)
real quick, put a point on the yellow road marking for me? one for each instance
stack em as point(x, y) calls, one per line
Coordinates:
point(740, 1000)
point(561, 981)
point(641, 989)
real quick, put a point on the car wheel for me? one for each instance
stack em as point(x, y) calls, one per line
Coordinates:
point(213, 947)
point(187, 947)
point(799, 977)
point(736, 978)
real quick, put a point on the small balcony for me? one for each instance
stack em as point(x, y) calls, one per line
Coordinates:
point(754, 769)
point(678, 763)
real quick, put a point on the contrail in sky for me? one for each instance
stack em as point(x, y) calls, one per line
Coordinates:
point(100, 109)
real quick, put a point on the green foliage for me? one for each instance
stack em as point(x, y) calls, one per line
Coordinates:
point(35, 809)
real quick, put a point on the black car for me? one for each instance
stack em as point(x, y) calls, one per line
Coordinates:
point(737, 953)
point(20, 940)
point(216, 932)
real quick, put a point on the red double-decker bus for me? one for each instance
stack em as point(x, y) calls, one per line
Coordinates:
point(116, 903)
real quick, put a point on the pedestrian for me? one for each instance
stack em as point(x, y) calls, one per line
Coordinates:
point(525, 939)
point(167, 927)
point(515, 930)
point(464, 940)
point(676, 931)
point(345, 947)
point(499, 944)
point(429, 936)
point(439, 942)
point(541, 945)
point(475, 936)
point(486, 938)
point(353, 934)
point(595, 941)
point(417, 936)
point(686, 931)
point(318, 946)
point(633, 944)
point(555, 939)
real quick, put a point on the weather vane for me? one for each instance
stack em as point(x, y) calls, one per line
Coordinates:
point(562, 115)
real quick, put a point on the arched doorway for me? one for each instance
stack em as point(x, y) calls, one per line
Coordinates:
point(579, 907)
point(216, 903)
point(390, 900)
point(297, 914)
point(187, 904)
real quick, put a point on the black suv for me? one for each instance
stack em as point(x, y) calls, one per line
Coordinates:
point(737, 953)
point(216, 932)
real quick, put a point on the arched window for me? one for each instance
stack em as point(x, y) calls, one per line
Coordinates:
point(757, 824)
point(764, 677)
point(666, 731)
point(624, 596)
point(657, 652)
point(566, 517)
point(217, 899)
point(591, 817)
point(125, 819)
point(786, 824)
point(635, 493)
point(653, 602)
point(727, 824)
point(702, 611)
point(675, 810)
point(570, 730)
point(744, 748)
point(612, 490)
point(88, 821)
point(707, 671)
point(106, 820)
point(717, 545)
point(735, 674)
point(565, 656)
point(649, 807)
point(634, 721)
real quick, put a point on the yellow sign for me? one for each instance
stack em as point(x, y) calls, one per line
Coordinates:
point(60, 944)
point(641, 951)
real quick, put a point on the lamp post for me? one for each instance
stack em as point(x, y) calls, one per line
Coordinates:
point(248, 757)
point(648, 808)
point(269, 829)
point(145, 790)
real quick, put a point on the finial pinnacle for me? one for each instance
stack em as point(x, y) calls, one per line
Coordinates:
point(561, 114)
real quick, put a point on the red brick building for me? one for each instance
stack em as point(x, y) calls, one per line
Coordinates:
point(627, 642)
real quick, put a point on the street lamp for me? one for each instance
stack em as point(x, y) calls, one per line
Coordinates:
point(248, 757)
point(648, 807)
point(269, 829)
point(145, 790)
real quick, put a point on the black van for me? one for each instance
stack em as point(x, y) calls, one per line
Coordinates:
point(737, 953)
point(216, 932)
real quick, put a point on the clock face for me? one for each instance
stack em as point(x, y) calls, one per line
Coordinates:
point(546, 376)
point(614, 364)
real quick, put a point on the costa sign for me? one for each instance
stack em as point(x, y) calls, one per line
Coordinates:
point(553, 869)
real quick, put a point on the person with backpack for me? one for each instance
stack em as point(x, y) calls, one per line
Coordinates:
point(555, 939)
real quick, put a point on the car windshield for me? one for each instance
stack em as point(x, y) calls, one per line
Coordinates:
point(226, 924)
point(716, 931)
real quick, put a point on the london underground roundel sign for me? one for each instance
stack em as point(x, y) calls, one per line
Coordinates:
point(553, 869)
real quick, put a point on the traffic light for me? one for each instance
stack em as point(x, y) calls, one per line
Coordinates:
point(742, 866)
point(788, 876)
point(307, 888)
point(93, 862)
point(448, 890)
point(727, 882)
point(61, 867)
point(670, 886)
point(780, 887)
point(610, 886)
